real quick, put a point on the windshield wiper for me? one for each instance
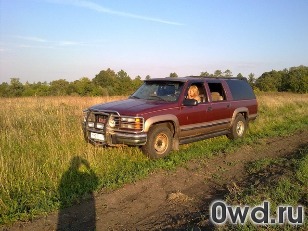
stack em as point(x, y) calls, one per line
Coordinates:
point(134, 97)
point(155, 96)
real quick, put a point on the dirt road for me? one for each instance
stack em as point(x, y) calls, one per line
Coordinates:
point(167, 200)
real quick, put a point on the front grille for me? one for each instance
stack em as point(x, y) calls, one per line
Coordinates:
point(117, 121)
point(97, 120)
point(100, 120)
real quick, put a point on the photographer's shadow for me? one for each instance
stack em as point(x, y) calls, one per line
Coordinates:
point(76, 190)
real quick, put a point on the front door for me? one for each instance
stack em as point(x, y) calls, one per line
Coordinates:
point(209, 116)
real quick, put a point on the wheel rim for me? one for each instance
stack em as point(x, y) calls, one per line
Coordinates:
point(161, 143)
point(240, 127)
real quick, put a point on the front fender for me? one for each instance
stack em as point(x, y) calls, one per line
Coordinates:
point(162, 118)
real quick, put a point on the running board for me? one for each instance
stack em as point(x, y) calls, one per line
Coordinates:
point(203, 137)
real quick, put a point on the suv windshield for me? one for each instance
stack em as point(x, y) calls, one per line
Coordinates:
point(165, 91)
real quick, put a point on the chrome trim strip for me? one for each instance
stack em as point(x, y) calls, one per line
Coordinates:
point(104, 112)
point(130, 136)
point(128, 139)
point(187, 140)
point(204, 125)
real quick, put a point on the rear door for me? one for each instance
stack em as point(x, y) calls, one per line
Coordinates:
point(220, 105)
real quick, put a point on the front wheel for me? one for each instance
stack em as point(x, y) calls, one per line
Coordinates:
point(238, 128)
point(159, 142)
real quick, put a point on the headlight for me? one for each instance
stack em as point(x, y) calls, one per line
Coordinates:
point(133, 123)
point(91, 117)
point(129, 126)
point(99, 126)
point(126, 119)
point(85, 115)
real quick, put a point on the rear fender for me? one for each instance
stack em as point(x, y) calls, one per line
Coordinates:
point(242, 110)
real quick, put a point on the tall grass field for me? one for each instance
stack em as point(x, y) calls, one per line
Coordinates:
point(40, 136)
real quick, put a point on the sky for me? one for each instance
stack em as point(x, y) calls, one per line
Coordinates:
point(46, 40)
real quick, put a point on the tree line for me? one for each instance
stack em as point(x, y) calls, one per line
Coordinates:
point(110, 83)
point(106, 83)
point(294, 79)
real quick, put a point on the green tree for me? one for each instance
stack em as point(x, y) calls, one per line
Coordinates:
point(106, 79)
point(137, 82)
point(218, 73)
point(298, 79)
point(251, 79)
point(147, 77)
point(227, 73)
point(4, 89)
point(28, 89)
point(83, 86)
point(173, 75)
point(42, 89)
point(59, 87)
point(124, 84)
point(239, 75)
point(16, 88)
point(270, 81)
point(204, 74)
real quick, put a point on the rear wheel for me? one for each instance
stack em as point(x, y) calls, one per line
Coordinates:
point(159, 142)
point(238, 128)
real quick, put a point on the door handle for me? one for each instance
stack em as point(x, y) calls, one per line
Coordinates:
point(228, 105)
point(209, 109)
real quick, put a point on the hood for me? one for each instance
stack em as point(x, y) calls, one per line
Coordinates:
point(133, 107)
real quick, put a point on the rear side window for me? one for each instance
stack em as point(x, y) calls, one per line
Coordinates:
point(217, 91)
point(240, 89)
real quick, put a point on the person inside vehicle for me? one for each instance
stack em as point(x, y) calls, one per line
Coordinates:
point(193, 93)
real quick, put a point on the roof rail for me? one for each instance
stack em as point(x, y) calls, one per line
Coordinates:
point(212, 77)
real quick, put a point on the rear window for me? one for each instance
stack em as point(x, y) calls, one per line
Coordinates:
point(240, 89)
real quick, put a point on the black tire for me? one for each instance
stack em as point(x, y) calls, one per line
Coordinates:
point(159, 142)
point(239, 127)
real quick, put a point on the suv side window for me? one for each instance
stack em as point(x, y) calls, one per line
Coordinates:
point(217, 91)
point(240, 89)
point(200, 92)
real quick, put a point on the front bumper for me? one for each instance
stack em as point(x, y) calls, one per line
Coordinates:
point(112, 137)
point(129, 139)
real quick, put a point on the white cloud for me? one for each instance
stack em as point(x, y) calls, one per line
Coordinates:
point(33, 46)
point(70, 43)
point(96, 7)
point(33, 39)
point(36, 42)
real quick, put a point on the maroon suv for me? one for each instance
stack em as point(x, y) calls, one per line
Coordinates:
point(160, 115)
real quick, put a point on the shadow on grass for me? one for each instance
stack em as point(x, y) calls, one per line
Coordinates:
point(77, 183)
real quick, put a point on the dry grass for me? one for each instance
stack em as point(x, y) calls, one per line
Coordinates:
point(279, 108)
point(178, 197)
point(38, 138)
point(276, 100)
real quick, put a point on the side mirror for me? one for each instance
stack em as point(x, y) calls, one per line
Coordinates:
point(190, 102)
